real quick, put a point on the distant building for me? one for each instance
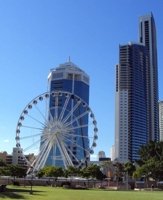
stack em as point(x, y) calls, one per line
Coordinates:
point(102, 157)
point(3, 155)
point(112, 152)
point(101, 154)
point(16, 158)
point(6, 157)
point(161, 120)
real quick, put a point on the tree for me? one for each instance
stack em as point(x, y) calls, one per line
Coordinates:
point(13, 170)
point(72, 171)
point(16, 171)
point(50, 171)
point(130, 168)
point(151, 161)
point(151, 150)
point(119, 171)
point(2, 167)
point(92, 171)
point(2, 163)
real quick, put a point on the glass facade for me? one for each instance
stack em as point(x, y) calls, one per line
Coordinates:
point(68, 77)
point(161, 120)
point(147, 36)
point(131, 117)
point(137, 93)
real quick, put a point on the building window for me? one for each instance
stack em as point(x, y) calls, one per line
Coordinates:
point(57, 75)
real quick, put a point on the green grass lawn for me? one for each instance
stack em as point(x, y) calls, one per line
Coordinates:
point(51, 193)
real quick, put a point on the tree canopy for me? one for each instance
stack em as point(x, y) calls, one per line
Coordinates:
point(151, 161)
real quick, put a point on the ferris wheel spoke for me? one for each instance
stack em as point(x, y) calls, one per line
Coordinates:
point(32, 145)
point(45, 137)
point(69, 134)
point(36, 120)
point(69, 130)
point(73, 155)
point(51, 118)
point(77, 145)
point(30, 136)
point(40, 112)
point(64, 108)
point(71, 112)
point(31, 127)
point(77, 127)
point(44, 156)
point(78, 136)
point(66, 158)
point(43, 147)
point(76, 118)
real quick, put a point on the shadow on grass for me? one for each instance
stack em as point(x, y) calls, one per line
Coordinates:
point(16, 193)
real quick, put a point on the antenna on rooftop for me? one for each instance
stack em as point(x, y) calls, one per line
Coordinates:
point(69, 59)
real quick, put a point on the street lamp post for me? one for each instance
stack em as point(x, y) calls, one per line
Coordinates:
point(31, 189)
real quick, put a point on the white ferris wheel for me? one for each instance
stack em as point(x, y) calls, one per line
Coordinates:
point(65, 132)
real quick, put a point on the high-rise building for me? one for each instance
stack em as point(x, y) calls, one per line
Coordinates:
point(69, 77)
point(131, 104)
point(161, 120)
point(137, 93)
point(147, 36)
point(101, 154)
point(112, 153)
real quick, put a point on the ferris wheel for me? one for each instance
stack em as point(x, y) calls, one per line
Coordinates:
point(58, 128)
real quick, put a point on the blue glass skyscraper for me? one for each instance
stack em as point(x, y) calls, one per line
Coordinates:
point(131, 102)
point(147, 36)
point(137, 93)
point(69, 77)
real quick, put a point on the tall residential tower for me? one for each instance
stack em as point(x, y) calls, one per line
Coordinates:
point(147, 36)
point(161, 120)
point(131, 102)
point(137, 93)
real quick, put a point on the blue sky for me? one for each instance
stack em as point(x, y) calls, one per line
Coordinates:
point(37, 35)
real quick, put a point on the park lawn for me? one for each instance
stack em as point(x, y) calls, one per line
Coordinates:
point(51, 193)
